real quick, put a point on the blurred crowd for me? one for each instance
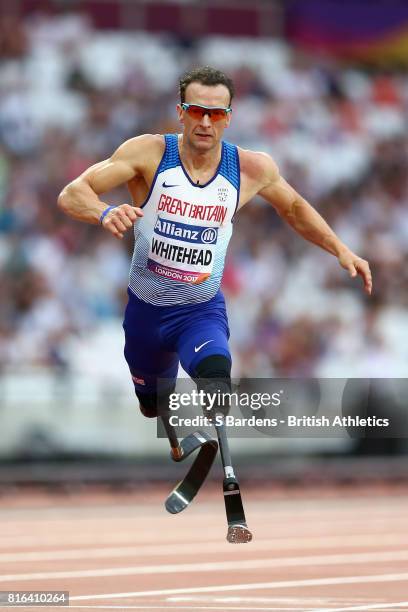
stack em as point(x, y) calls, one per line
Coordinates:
point(69, 95)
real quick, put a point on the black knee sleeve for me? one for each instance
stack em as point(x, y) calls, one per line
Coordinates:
point(153, 404)
point(214, 366)
point(213, 376)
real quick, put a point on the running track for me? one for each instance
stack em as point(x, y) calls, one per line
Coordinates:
point(342, 551)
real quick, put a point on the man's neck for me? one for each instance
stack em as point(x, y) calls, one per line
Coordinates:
point(199, 161)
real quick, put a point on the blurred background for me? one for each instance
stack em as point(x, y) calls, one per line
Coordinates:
point(322, 86)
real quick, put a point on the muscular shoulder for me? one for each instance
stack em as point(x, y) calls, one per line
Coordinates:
point(257, 167)
point(141, 151)
point(258, 172)
point(135, 158)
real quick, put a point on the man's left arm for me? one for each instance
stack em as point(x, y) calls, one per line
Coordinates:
point(307, 222)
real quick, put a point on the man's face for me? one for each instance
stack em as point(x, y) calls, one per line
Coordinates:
point(203, 133)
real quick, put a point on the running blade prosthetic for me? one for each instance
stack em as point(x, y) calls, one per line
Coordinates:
point(185, 491)
point(238, 532)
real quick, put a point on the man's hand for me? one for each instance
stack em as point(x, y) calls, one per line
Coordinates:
point(120, 219)
point(356, 265)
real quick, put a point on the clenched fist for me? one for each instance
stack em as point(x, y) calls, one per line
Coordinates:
point(120, 219)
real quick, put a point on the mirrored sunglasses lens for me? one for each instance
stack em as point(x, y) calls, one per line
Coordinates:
point(195, 112)
point(217, 115)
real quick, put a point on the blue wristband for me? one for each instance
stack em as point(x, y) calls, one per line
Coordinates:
point(105, 212)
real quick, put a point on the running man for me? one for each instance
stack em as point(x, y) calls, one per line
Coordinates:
point(186, 189)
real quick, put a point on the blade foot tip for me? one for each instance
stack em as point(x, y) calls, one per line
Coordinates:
point(238, 534)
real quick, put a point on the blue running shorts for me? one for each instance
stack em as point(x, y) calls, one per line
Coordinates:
point(157, 338)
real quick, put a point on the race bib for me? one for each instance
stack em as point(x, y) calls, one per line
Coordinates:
point(182, 252)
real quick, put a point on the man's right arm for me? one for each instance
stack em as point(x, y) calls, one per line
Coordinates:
point(80, 198)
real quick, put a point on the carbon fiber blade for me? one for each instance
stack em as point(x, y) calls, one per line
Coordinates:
point(238, 531)
point(185, 491)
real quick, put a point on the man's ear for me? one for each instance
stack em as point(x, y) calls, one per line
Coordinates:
point(180, 113)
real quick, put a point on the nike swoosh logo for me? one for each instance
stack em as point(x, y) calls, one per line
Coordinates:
point(164, 185)
point(198, 348)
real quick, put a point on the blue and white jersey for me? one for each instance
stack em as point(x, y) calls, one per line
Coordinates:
point(182, 240)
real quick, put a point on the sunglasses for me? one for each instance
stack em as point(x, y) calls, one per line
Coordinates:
point(197, 112)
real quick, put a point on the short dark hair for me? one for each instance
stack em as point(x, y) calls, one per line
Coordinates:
point(206, 75)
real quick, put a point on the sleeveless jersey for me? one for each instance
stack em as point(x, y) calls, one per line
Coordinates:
point(181, 242)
